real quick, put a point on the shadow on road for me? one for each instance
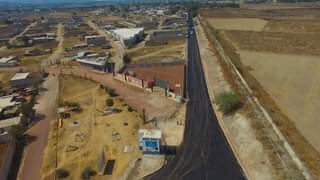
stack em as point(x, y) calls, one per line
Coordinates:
point(168, 150)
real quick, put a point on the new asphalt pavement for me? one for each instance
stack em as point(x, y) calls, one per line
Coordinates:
point(204, 153)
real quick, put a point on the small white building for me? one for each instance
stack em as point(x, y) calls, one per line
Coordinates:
point(21, 80)
point(7, 102)
point(5, 124)
point(150, 141)
point(9, 61)
point(93, 60)
point(128, 36)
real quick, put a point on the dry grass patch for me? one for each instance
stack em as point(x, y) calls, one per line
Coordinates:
point(81, 144)
point(244, 24)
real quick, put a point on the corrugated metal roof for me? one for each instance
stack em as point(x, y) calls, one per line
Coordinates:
point(150, 133)
point(20, 76)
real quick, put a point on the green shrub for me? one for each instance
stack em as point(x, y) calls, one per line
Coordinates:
point(87, 173)
point(62, 173)
point(130, 109)
point(228, 102)
point(109, 102)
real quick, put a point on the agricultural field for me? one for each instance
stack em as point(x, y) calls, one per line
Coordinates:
point(89, 134)
point(162, 53)
point(244, 24)
point(3, 153)
point(282, 55)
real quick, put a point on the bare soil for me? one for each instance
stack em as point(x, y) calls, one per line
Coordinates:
point(93, 132)
point(278, 65)
point(244, 24)
point(3, 153)
point(276, 42)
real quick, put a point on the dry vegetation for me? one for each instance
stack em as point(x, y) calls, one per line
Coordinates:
point(5, 77)
point(244, 24)
point(287, 84)
point(93, 133)
point(172, 51)
point(276, 42)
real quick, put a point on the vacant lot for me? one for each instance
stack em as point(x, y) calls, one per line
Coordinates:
point(164, 53)
point(294, 83)
point(245, 24)
point(294, 25)
point(283, 64)
point(277, 42)
point(86, 134)
point(5, 77)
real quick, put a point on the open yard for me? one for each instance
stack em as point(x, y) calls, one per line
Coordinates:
point(86, 134)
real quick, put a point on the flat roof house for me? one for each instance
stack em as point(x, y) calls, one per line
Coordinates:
point(128, 36)
point(21, 80)
point(93, 60)
point(150, 141)
point(9, 61)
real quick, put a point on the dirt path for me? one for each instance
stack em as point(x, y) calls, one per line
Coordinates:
point(19, 35)
point(155, 106)
point(33, 153)
point(57, 54)
point(120, 51)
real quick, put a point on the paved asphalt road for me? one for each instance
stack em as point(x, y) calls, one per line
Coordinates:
point(205, 153)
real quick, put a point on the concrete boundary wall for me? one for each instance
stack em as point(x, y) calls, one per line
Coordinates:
point(254, 101)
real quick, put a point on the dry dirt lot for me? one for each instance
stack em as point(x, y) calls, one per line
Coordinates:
point(244, 24)
point(294, 83)
point(5, 77)
point(303, 25)
point(93, 133)
point(277, 42)
point(282, 61)
point(151, 54)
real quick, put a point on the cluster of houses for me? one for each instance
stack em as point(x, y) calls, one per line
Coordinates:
point(128, 37)
point(96, 61)
point(21, 87)
point(11, 101)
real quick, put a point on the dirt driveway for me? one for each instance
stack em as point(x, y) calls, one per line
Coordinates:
point(33, 153)
point(155, 105)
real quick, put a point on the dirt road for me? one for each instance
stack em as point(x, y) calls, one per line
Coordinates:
point(33, 153)
point(154, 105)
point(120, 51)
point(57, 54)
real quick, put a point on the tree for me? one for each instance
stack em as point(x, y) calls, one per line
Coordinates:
point(17, 131)
point(87, 173)
point(228, 102)
point(62, 173)
point(126, 59)
point(109, 102)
